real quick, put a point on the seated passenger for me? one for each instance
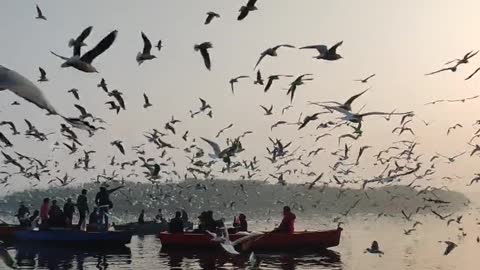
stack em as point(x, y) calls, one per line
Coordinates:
point(288, 221)
point(176, 223)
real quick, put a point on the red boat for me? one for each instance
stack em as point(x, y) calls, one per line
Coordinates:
point(7, 231)
point(267, 241)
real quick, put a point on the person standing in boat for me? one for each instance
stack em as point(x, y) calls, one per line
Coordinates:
point(22, 214)
point(102, 199)
point(159, 217)
point(33, 220)
point(240, 223)
point(82, 206)
point(141, 218)
point(288, 221)
point(44, 212)
point(56, 215)
point(176, 223)
point(69, 210)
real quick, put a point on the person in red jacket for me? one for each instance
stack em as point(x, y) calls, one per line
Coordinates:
point(288, 221)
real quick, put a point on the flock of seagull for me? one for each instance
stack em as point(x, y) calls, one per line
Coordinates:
point(399, 161)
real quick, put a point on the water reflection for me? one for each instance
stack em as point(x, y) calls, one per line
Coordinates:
point(50, 257)
point(220, 260)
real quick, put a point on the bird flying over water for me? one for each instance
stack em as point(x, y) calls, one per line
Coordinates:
point(40, 15)
point(203, 48)
point(325, 53)
point(245, 10)
point(210, 16)
point(145, 54)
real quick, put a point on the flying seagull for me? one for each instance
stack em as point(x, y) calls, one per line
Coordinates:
point(325, 53)
point(74, 92)
point(84, 63)
point(244, 10)
point(233, 81)
point(347, 105)
point(203, 48)
point(40, 15)
point(274, 78)
point(210, 16)
point(268, 111)
point(145, 54)
point(43, 75)
point(366, 79)
point(147, 101)
point(78, 43)
point(271, 52)
point(159, 45)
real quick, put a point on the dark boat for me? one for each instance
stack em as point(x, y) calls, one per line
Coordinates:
point(69, 237)
point(147, 228)
point(7, 231)
point(265, 242)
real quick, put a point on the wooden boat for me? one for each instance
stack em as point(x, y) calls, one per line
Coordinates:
point(147, 228)
point(74, 237)
point(266, 242)
point(7, 231)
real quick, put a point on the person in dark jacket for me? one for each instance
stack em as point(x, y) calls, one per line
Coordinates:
point(82, 206)
point(102, 199)
point(288, 221)
point(141, 218)
point(56, 215)
point(240, 223)
point(68, 211)
point(176, 223)
point(22, 215)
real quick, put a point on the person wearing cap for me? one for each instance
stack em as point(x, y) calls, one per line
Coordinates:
point(288, 222)
point(102, 199)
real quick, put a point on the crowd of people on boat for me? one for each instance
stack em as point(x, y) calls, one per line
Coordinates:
point(52, 215)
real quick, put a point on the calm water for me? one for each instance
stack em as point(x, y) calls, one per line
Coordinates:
point(420, 250)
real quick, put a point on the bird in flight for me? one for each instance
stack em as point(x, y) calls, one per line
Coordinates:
point(43, 75)
point(40, 15)
point(272, 78)
point(147, 101)
point(84, 62)
point(145, 54)
point(366, 79)
point(79, 41)
point(271, 52)
point(244, 10)
point(203, 48)
point(347, 105)
point(325, 53)
point(210, 16)
point(233, 81)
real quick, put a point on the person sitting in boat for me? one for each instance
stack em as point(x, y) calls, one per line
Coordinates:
point(240, 224)
point(141, 218)
point(102, 199)
point(34, 219)
point(206, 223)
point(69, 210)
point(176, 223)
point(159, 217)
point(44, 212)
point(187, 225)
point(82, 206)
point(22, 215)
point(95, 220)
point(288, 221)
point(56, 215)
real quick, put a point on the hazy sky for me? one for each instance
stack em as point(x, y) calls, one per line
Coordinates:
point(398, 40)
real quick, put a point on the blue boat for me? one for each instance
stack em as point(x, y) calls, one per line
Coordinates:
point(69, 237)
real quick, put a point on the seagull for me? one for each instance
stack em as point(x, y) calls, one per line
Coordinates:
point(43, 75)
point(244, 10)
point(118, 96)
point(374, 249)
point(267, 111)
point(298, 81)
point(204, 106)
point(451, 159)
point(119, 145)
point(452, 69)
point(235, 80)
point(366, 79)
point(78, 43)
point(210, 16)
point(309, 118)
point(40, 15)
point(74, 92)
point(274, 78)
point(450, 247)
point(159, 45)
point(465, 59)
point(325, 53)
point(203, 48)
point(145, 54)
point(259, 79)
point(217, 152)
point(147, 102)
point(83, 112)
point(348, 104)
point(84, 63)
point(5, 140)
point(271, 52)
point(103, 85)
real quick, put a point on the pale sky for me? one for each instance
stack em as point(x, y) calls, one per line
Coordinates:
point(400, 41)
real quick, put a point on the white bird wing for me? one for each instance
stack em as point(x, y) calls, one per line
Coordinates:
point(22, 87)
point(216, 148)
point(59, 56)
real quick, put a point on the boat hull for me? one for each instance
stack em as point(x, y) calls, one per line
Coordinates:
point(74, 237)
point(7, 231)
point(150, 228)
point(266, 242)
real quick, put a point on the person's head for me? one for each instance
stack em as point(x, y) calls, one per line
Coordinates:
point(209, 214)
point(103, 189)
point(84, 192)
point(242, 217)
point(95, 209)
point(143, 211)
point(160, 210)
point(36, 213)
point(286, 209)
point(54, 202)
point(46, 200)
point(178, 214)
point(69, 200)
